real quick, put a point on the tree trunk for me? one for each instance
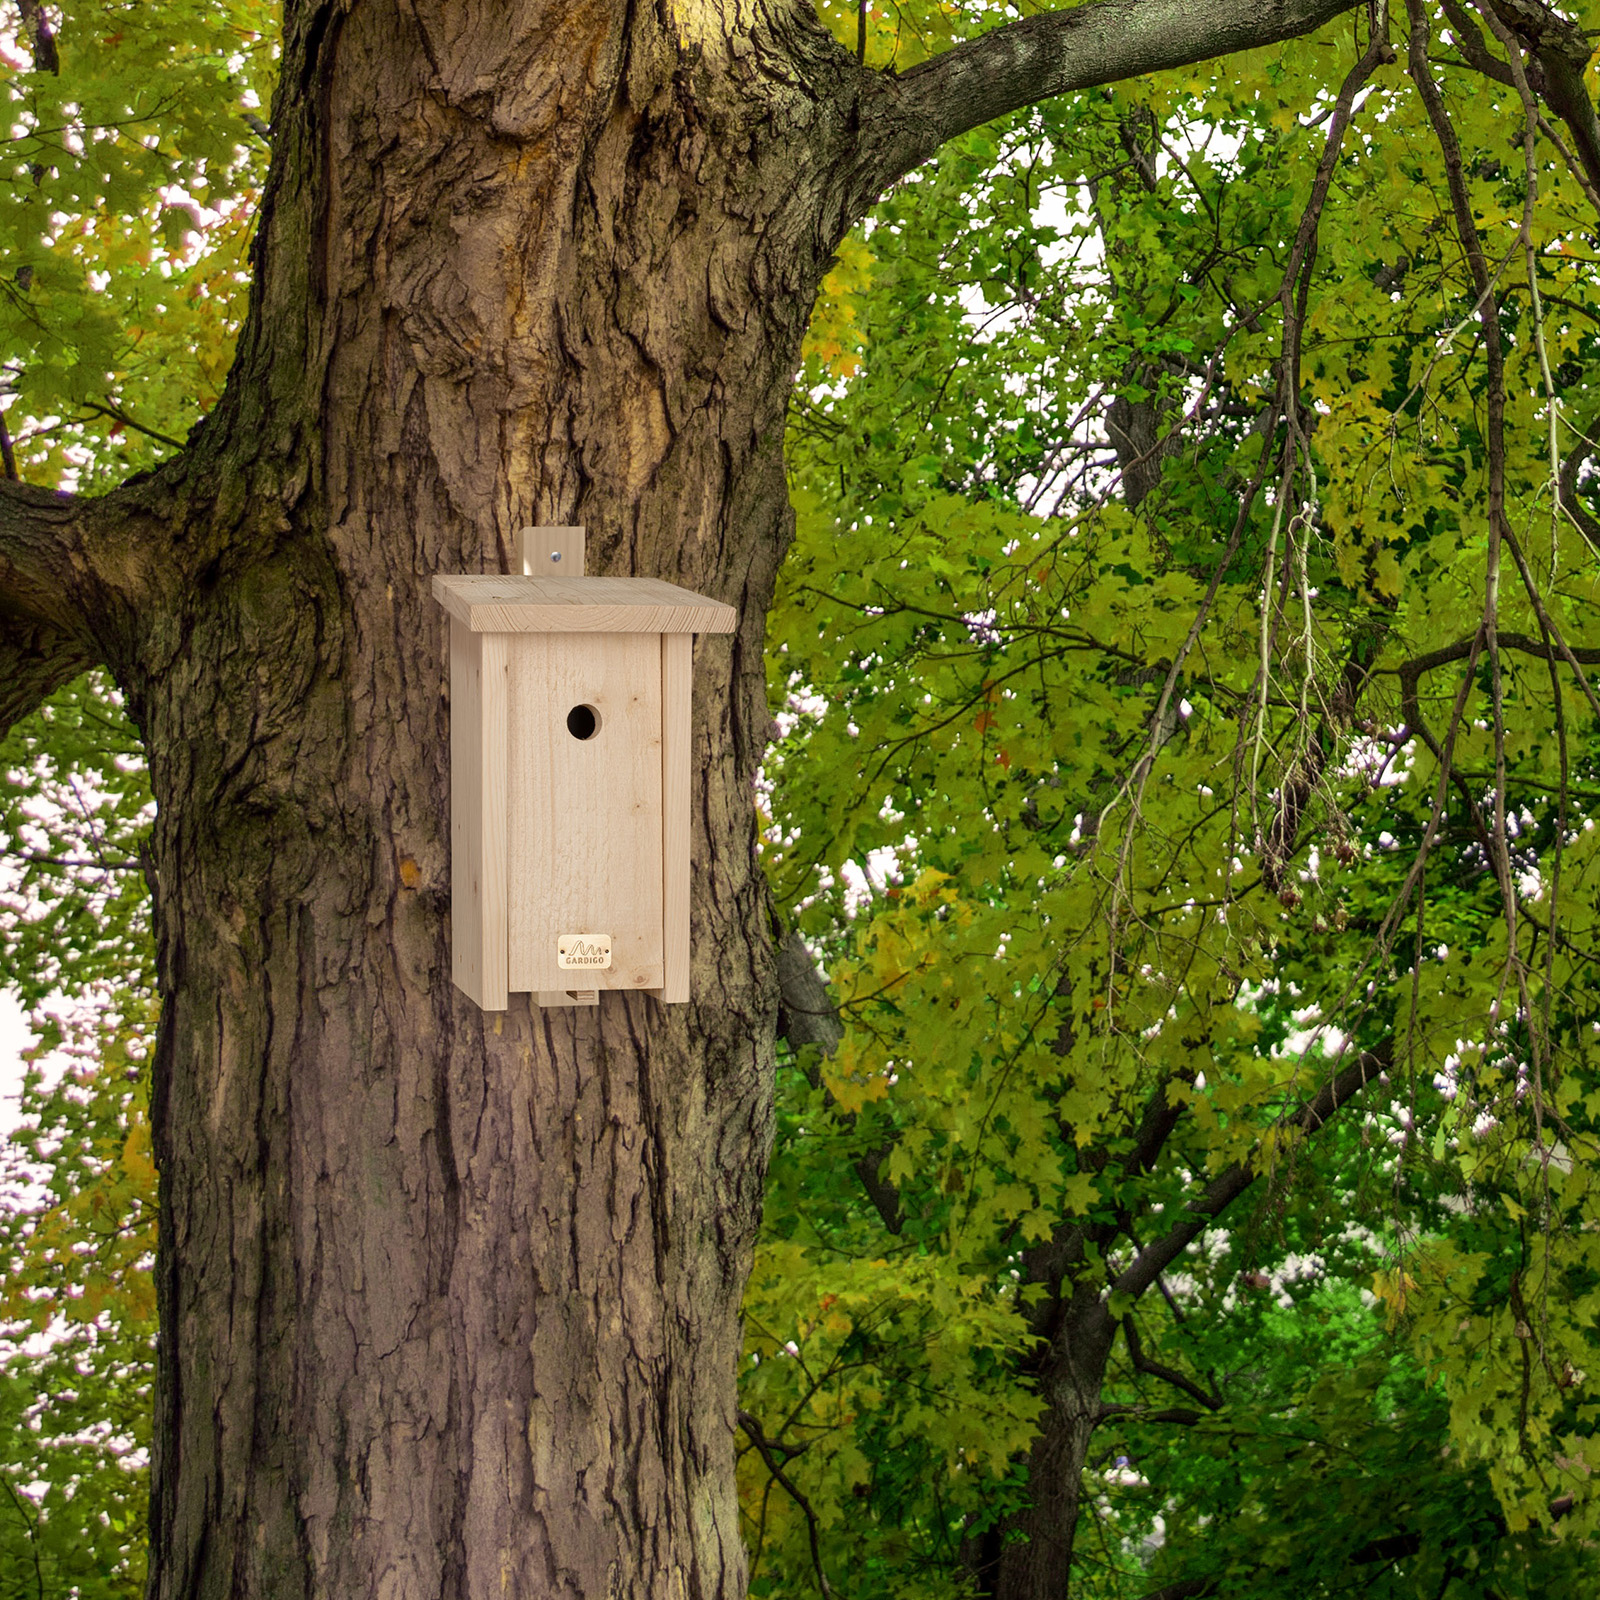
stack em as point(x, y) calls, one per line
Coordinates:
point(1029, 1557)
point(449, 1302)
point(1036, 1561)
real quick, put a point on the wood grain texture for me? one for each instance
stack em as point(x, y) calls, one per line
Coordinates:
point(466, 811)
point(585, 821)
point(478, 816)
point(546, 998)
point(494, 604)
point(494, 794)
point(552, 552)
point(677, 730)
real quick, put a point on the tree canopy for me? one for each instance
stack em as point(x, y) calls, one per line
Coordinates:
point(1185, 767)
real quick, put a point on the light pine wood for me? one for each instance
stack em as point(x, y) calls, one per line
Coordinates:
point(493, 604)
point(553, 835)
point(585, 822)
point(567, 997)
point(478, 713)
point(466, 810)
point(551, 552)
point(677, 684)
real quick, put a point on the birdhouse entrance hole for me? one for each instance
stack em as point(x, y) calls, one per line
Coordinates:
point(583, 722)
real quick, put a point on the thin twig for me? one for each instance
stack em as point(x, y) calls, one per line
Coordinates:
point(79, 861)
point(31, 1522)
point(121, 417)
point(765, 1448)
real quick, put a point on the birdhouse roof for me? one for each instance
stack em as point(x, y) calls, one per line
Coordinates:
point(495, 604)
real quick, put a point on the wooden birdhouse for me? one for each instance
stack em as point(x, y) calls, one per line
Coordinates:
point(569, 778)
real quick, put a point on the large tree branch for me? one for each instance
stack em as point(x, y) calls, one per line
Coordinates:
point(42, 645)
point(72, 574)
point(1056, 52)
point(906, 119)
point(41, 37)
point(34, 663)
point(1562, 50)
point(1226, 1187)
point(806, 1015)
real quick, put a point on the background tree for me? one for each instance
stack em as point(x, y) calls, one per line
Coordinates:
point(1048, 1055)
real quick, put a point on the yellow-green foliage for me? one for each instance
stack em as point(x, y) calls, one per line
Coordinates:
point(1078, 913)
point(131, 181)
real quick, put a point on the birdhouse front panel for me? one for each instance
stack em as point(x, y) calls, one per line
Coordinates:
point(585, 815)
point(570, 773)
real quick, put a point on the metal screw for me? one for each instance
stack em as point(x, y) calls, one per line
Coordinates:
point(555, 555)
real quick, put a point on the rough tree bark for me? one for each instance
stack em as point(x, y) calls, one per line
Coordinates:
point(449, 1303)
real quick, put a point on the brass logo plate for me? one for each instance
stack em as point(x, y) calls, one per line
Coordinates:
point(583, 950)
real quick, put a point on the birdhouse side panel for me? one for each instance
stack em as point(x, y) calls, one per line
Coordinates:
point(585, 811)
point(478, 780)
point(677, 730)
